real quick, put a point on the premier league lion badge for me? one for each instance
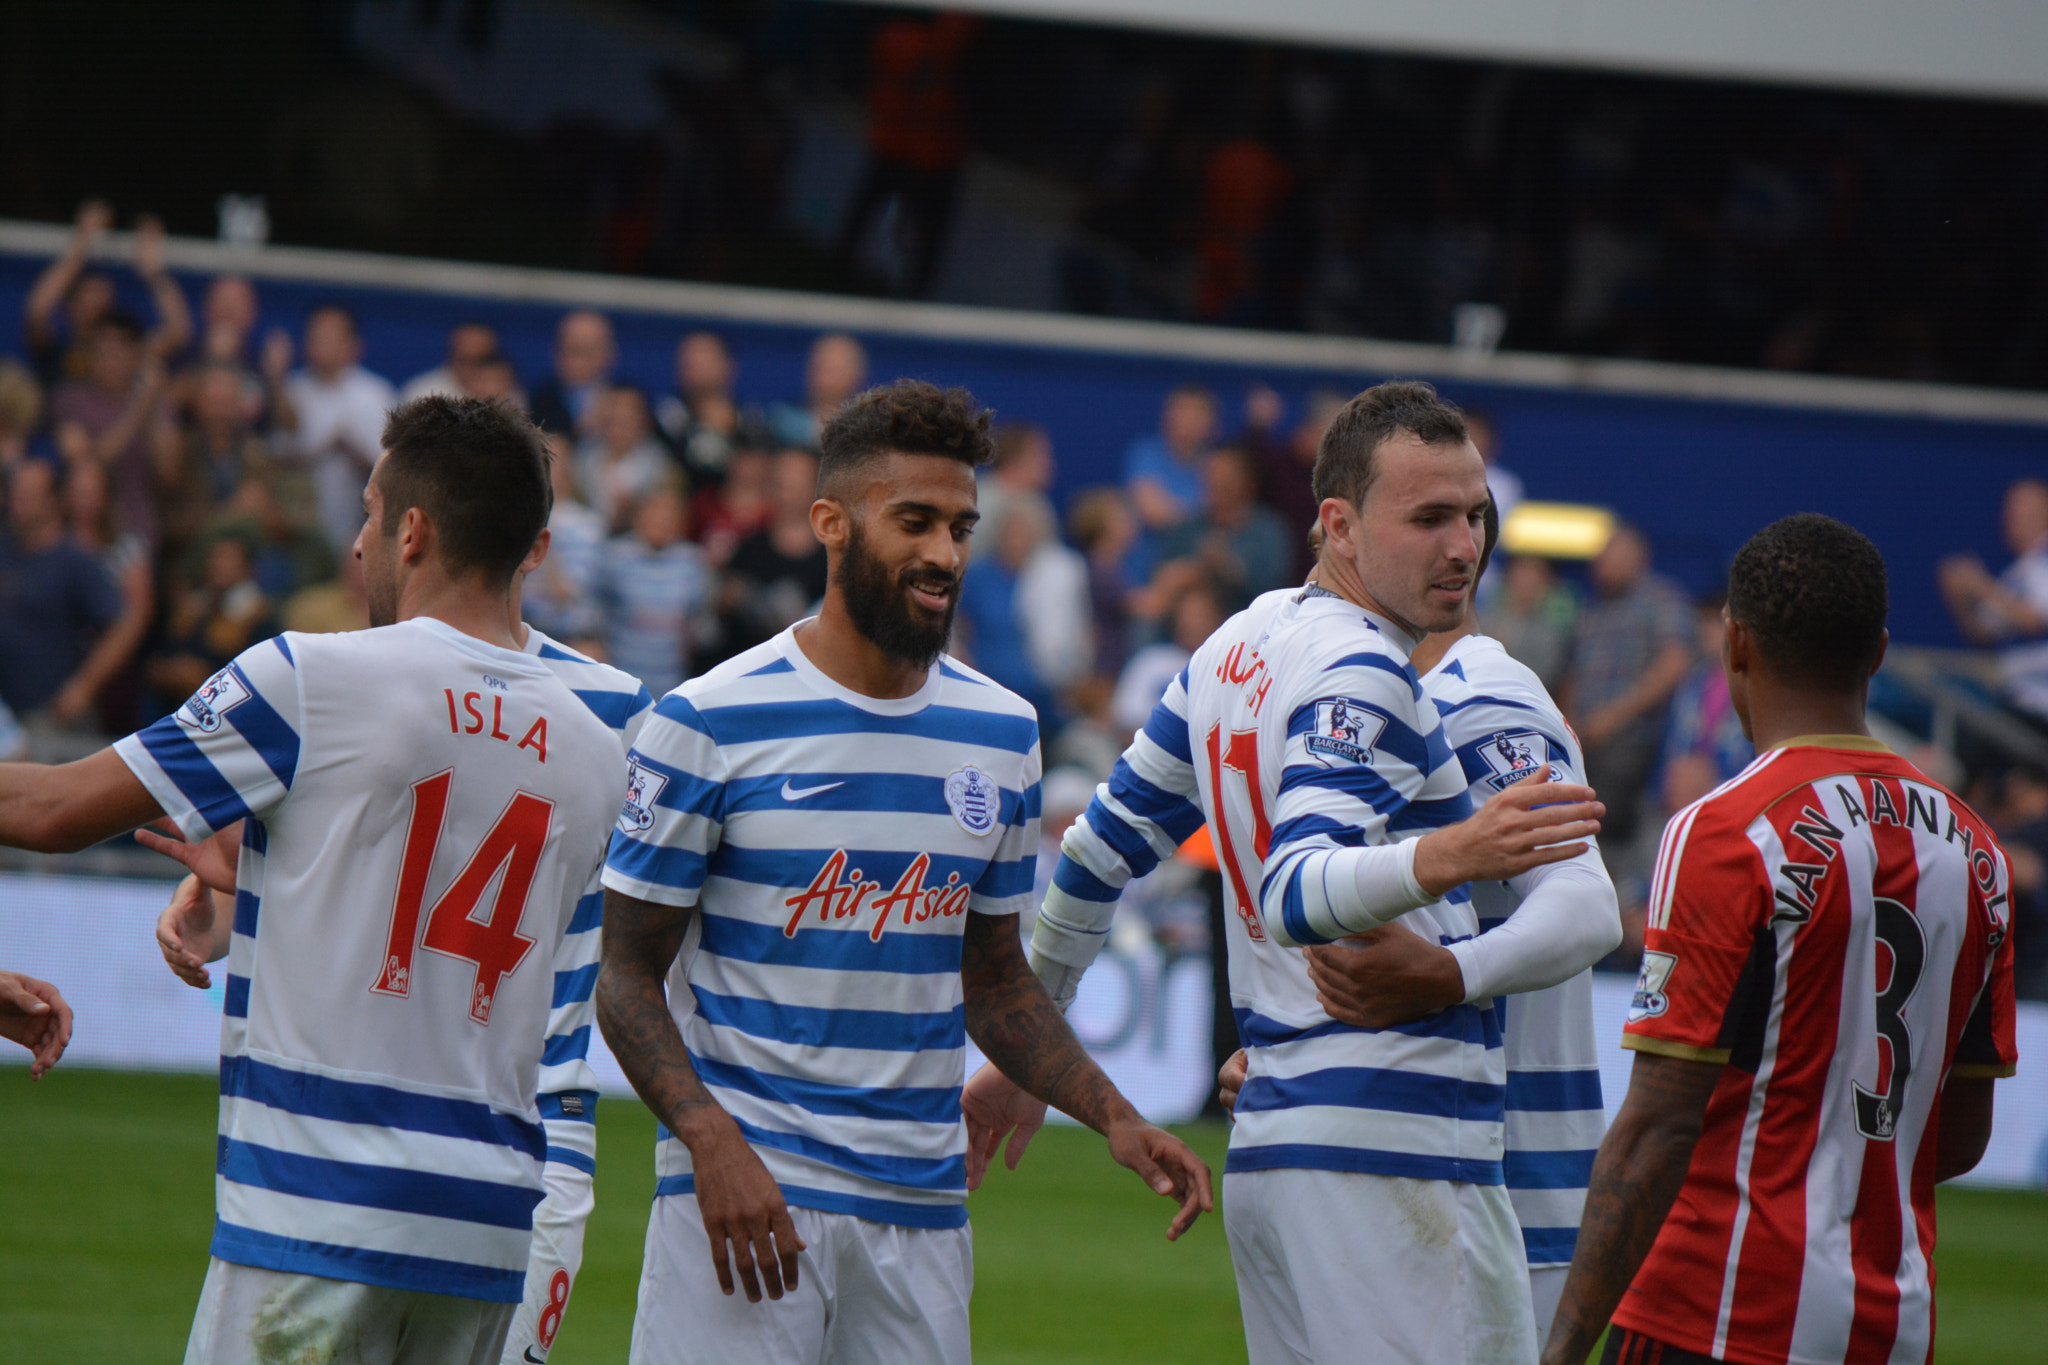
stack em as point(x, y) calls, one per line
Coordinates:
point(1513, 755)
point(643, 787)
point(1345, 732)
point(974, 798)
point(220, 694)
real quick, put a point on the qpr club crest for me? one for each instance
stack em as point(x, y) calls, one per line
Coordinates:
point(974, 799)
point(220, 694)
point(1344, 732)
point(1513, 755)
point(643, 787)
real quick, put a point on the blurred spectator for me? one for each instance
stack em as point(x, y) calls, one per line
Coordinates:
point(655, 587)
point(113, 409)
point(917, 139)
point(1631, 647)
point(561, 595)
point(128, 565)
point(1163, 472)
point(1104, 530)
point(331, 607)
point(702, 420)
point(1704, 745)
point(778, 573)
point(211, 622)
point(585, 352)
point(56, 606)
point(1504, 484)
point(621, 461)
point(1533, 618)
point(202, 462)
point(2011, 609)
point(742, 505)
point(1023, 467)
point(333, 413)
point(1286, 466)
point(1196, 615)
point(836, 371)
point(60, 346)
point(1243, 186)
point(21, 412)
point(13, 739)
point(1241, 545)
point(1023, 608)
point(467, 372)
point(2021, 819)
point(228, 315)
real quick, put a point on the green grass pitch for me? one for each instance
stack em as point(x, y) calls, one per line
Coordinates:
point(107, 1190)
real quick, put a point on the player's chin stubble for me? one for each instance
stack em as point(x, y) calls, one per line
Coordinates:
point(880, 605)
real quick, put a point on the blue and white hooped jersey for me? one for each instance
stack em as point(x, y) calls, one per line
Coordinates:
point(832, 844)
point(1503, 726)
point(568, 1087)
point(423, 812)
point(1299, 729)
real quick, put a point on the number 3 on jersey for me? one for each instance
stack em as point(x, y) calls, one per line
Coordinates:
point(1240, 754)
point(494, 945)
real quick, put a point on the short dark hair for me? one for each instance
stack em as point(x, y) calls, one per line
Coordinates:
point(348, 315)
point(478, 469)
point(908, 416)
point(1346, 464)
point(1489, 538)
point(1812, 591)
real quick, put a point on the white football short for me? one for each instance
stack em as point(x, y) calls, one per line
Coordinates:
point(1335, 1268)
point(250, 1316)
point(1546, 1287)
point(867, 1294)
point(552, 1264)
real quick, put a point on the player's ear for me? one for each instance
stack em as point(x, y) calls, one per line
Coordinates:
point(1738, 649)
point(415, 536)
point(1884, 644)
point(1338, 521)
point(539, 553)
point(831, 522)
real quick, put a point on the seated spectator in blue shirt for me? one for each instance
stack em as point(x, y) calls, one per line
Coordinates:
point(560, 596)
point(56, 605)
point(585, 352)
point(2012, 609)
point(1241, 544)
point(1163, 472)
point(1703, 742)
point(997, 632)
point(836, 371)
point(656, 588)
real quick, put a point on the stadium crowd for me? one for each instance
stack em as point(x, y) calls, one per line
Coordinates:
point(182, 485)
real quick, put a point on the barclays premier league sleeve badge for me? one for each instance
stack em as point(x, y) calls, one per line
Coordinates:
point(974, 798)
point(205, 709)
point(1344, 732)
point(643, 789)
point(1513, 755)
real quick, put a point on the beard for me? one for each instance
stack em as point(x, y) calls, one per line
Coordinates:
point(882, 609)
point(380, 596)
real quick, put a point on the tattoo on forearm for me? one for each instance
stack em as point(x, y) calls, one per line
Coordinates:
point(1636, 1178)
point(640, 944)
point(1017, 1026)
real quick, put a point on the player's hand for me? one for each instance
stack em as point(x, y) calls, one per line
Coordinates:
point(185, 934)
point(95, 216)
point(1531, 824)
point(1168, 1165)
point(33, 1014)
point(743, 1206)
point(212, 860)
point(1230, 1079)
point(1391, 975)
point(995, 1105)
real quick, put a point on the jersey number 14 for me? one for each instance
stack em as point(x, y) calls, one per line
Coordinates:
point(493, 944)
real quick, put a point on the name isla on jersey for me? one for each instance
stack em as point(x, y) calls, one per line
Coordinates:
point(472, 721)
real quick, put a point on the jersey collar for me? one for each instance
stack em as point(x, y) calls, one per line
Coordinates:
point(790, 650)
point(1864, 742)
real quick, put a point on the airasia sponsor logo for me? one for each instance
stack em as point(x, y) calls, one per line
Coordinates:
point(838, 894)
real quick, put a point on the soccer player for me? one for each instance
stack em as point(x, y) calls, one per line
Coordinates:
point(193, 931)
point(1540, 936)
point(1363, 1194)
point(421, 806)
point(1826, 995)
point(825, 844)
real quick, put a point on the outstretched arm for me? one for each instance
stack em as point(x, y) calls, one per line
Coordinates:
point(740, 1202)
point(72, 806)
point(1015, 1023)
point(1637, 1175)
point(33, 1014)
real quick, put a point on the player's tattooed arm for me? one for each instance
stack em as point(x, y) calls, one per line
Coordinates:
point(741, 1204)
point(1016, 1025)
point(1639, 1171)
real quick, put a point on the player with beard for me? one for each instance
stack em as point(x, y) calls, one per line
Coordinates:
point(825, 844)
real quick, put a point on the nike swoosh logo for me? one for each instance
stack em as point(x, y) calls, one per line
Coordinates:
point(790, 793)
point(537, 1360)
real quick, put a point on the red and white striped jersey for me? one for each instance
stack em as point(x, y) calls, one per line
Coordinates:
point(1834, 927)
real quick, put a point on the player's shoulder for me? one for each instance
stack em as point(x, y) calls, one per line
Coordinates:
point(967, 687)
point(613, 695)
point(1477, 675)
point(1328, 646)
